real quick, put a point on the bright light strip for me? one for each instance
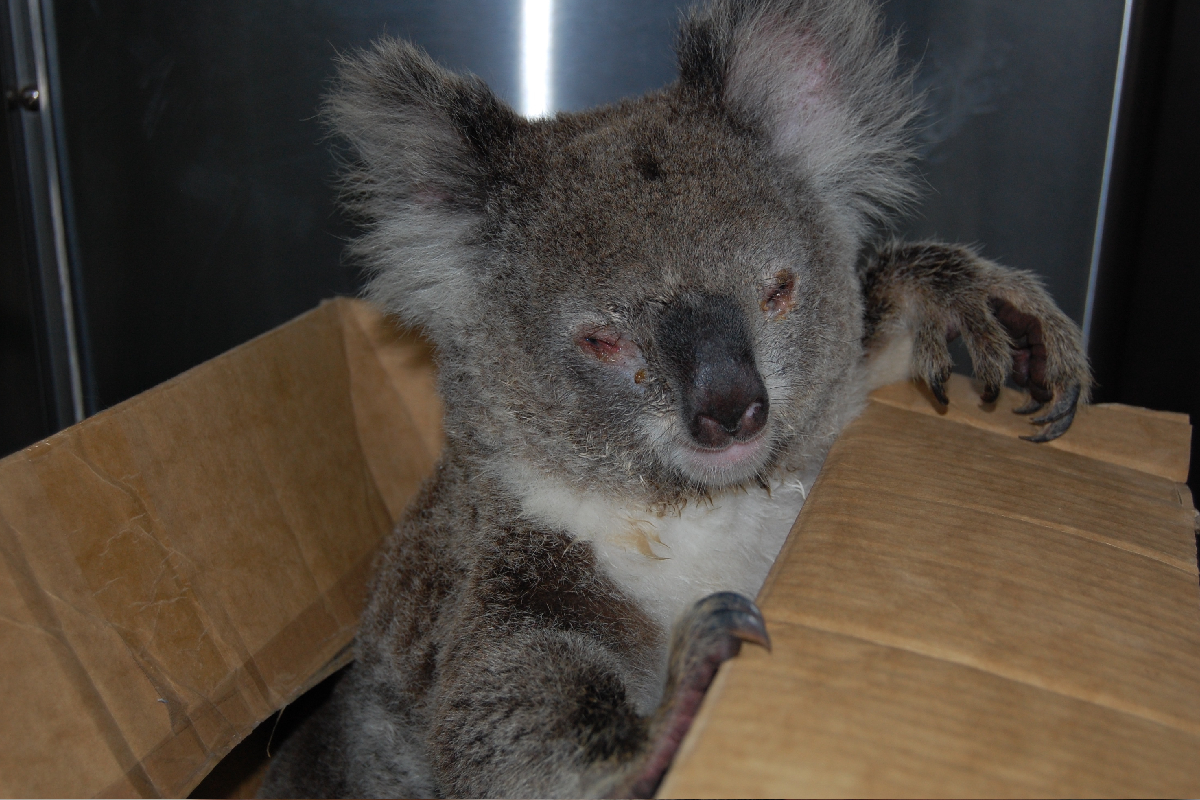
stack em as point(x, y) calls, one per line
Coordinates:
point(537, 19)
point(1089, 305)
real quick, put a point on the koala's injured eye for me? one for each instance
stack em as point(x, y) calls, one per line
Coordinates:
point(612, 348)
point(605, 344)
point(778, 300)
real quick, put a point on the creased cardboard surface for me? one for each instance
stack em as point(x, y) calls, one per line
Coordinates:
point(1156, 442)
point(178, 567)
point(961, 613)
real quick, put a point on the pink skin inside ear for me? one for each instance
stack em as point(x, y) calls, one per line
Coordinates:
point(791, 61)
point(427, 195)
point(787, 70)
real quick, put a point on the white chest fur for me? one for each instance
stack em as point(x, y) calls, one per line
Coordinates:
point(668, 561)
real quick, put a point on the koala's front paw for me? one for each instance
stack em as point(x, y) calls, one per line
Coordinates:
point(1014, 331)
point(710, 634)
point(1008, 322)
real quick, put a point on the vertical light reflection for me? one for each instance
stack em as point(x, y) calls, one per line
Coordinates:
point(1089, 306)
point(537, 17)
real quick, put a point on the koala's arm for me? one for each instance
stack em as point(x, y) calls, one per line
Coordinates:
point(526, 707)
point(920, 296)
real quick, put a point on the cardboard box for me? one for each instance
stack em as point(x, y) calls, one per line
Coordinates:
point(181, 565)
point(958, 612)
point(961, 613)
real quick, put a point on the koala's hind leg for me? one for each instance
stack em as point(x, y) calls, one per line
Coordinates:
point(546, 712)
point(928, 294)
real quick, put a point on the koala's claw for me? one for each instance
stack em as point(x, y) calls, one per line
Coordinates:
point(990, 393)
point(727, 614)
point(937, 385)
point(1064, 407)
point(1031, 405)
point(1051, 431)
point(710, 634)
point(1058, 419)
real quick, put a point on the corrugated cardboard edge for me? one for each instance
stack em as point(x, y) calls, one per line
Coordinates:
point(201, 734)
point(1154, 442)
point(1118, 435)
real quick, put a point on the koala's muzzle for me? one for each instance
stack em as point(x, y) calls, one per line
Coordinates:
point(706, 344)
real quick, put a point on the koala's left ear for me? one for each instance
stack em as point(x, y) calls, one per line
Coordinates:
point(818, 80)
point(427, 146)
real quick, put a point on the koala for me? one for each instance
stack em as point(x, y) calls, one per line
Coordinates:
point(652, 320)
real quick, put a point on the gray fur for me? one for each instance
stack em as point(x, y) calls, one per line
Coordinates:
point(518, 636)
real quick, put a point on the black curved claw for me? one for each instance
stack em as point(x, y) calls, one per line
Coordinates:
point(1064, 406)
point(1059, 417)
point(937, 386)
point(990, 393)
point(1030, 406)
point(1051, 431)
point(730, 614)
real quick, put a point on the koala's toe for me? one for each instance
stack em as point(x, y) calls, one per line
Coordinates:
point(937, 385)
point(931, 357)
point(710, 634)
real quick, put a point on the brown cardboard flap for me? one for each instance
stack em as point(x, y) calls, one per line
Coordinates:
point(961, 613)
point(181, 565)
point(397, 410)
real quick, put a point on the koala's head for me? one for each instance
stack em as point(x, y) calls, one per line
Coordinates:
point(656, 297)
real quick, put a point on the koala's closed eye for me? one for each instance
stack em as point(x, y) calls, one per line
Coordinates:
point(602, 343)
point(610, 346)
point(778, 299)
point(607, 345)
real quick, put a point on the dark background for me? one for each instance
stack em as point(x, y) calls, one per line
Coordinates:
point(197, 181)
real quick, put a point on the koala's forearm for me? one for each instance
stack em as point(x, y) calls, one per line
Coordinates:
point(542, 711)
point(534, 713)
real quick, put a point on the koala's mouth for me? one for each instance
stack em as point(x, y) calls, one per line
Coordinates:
point(736, 462)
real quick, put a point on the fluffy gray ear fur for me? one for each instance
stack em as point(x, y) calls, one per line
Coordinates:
point(819, 81)
point(424, 144)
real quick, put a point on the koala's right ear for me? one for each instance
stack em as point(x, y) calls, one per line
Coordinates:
point(820, 83)
point(425, 144)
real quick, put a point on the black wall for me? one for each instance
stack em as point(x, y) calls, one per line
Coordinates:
point(23, 417)
point(1147, 352)
point(201, 211)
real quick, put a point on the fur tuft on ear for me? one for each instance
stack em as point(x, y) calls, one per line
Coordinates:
point(819, 81)
point(425, 143)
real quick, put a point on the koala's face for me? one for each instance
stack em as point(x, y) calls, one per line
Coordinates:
point(657, 295)
point(675, 315)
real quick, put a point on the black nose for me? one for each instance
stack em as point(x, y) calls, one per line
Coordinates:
point(707, 344)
